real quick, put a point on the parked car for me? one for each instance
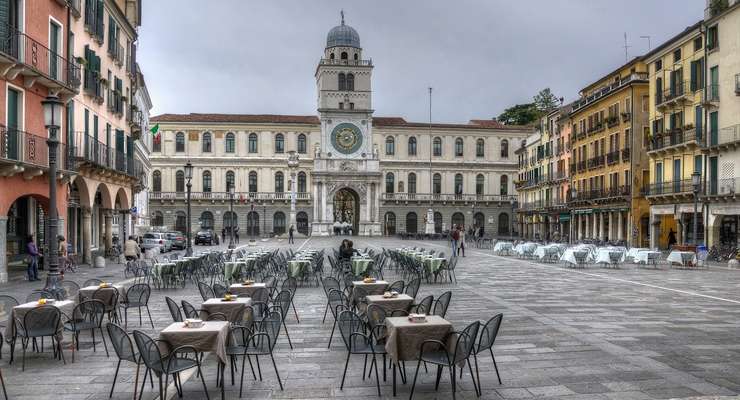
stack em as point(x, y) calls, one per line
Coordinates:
point(206, 236)
point(153, 240)
point(177, 239)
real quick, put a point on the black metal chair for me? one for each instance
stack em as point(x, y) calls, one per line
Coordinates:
point(352, 328)
point(67, 290)
point(137, 296)
point(338, 302)
point(413, 287)
point(6, 307)
point(449, 268)
point(424, 306)
point(92, 282)
point(292, 284)
point(109, 297)
point(88, 315)
point(446, 358)
point(282, 305)
point(124, 347)
point(263, 342)
point(37, 295)
point(176, 360)
point(189, 310)
point(397, 286)
point(174, 309)
point(38, 322)
point(205, 291)
point(240, 335)
point(245, 317)
point(442, 304)
point(487, 337)
point(220, 290)
point(329, 283)
point(581, 258)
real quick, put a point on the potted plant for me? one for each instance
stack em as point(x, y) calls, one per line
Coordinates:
point(688, 126)
point(124, 99)
point(105, 82)
point(118, 93)
point(82, 61)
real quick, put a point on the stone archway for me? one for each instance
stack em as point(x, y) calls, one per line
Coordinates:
point(346, 208)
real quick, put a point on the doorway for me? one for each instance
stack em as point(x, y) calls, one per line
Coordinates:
point(346, 210)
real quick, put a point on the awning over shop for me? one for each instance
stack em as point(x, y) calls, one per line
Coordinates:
point(619, 209)
point(563, 217)
point(587, 211)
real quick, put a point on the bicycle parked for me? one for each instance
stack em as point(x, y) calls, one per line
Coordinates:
point(114, 252)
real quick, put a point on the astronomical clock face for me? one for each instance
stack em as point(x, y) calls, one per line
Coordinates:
point(346, 138)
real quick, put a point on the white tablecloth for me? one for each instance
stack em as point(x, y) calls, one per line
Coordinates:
point(520, 248)
point(541, 251)
point(633, 251)
point(570, 257)
point(675, 257)
point(642, 256)
point(602, 255)
point(501, 246)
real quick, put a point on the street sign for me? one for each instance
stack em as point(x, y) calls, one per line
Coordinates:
point(133, 210)
point(133, 218)
point(154, 214)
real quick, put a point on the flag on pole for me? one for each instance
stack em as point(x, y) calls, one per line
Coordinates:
point(155, 132)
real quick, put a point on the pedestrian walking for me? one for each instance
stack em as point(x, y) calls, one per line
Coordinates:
point(33, 265)
point(223, 235)
point(62, 257)
point(236, 234)
point(461, 242)
point(455, 237)
point(290, 233)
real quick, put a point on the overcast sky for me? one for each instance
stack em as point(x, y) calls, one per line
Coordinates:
point(481, 57)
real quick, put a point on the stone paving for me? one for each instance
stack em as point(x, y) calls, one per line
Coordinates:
point(591, 333)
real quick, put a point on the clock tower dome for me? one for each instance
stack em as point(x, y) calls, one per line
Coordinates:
point(346, 171)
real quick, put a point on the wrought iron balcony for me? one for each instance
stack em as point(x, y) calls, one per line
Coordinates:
point(612, 157)
point(683, 186)
point(581, 166)
point(723, 187)
point(115, 103)
point(115, 50)
point(626, 116)
point(94, 25)
point(22, 151)
point(581, 135)
point(599, 93)
point(722, 138)
point(94, 152)
point(74, 7)
point(626, 154)
point(448, 197)
point(595, 162)
point(243, 197)
point(676, 139)
point(129, 65)
point(39, 63)
point(93, 86)
point(710, 95)
point(355, 63)
point(677, 94)
point(601, 194)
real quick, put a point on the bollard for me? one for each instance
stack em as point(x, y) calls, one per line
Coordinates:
point(733, 263)
point(121, 259)
point(148, 254)
point(99, 262)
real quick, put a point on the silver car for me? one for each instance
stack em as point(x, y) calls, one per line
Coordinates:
point(153, 240)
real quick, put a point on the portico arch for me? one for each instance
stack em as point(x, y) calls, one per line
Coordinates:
point(346, 208)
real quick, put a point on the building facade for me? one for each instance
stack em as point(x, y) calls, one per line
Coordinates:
point(344, 166)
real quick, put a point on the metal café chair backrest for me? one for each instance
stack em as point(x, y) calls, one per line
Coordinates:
point(36, 295)
point(687, 258)
point(581, 257)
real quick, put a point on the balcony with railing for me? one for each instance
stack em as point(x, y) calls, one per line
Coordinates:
point(129, 65)
point(723, 187)
point(224, 196)
point(27, 153)
point(94, 25)
point(680, 187)
point(581, 166)
point(424, 197)
point(625, 154)
point(115, 50)
point(354, 63)
point(722, 139)
point(115, 103)
point(93, 86)
point(581, 135)
point(559, 149)
point(75, 7)
point(612, 157)
point(91, 151)
point(676, 95)
point(610, 193)
point(595, 162)
point(678, 140)
point(606, 90)
point(710, 95)
point(37, 63)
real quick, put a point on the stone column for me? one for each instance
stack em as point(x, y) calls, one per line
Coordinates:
point(680, 236)
point(655, 234)
point(620, 226)
point(316, 200)
point(108, 216)
point(3, 250)
point(323, 203)
point(87, 235)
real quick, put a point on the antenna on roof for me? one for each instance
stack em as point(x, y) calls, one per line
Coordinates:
point(625, 48)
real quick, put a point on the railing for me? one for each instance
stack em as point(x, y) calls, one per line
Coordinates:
point(599, 93)
point(723, 187)
point(447, 197)
point(595, 162)
point(329, 61)
point(93, 86)
point(675, 138)
point(33, 54)
point(612, 157)
point(27, 148)
point(559, 149)
point(74, 7)
point(710, 94)
point(598, 194)
point(612, 121)
point(673, 92)
point(673, 187)
point(626, 116)
point(626, 154)
point(97, 153)
point(94, 24)
point(243, 197)
point(130, 64)
point(724, 136)
point(116, 51)
point(115, 103)
point(558, 175)
point(581, 166)
point(581, 135)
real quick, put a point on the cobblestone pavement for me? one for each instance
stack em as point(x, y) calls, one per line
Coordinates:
point(591, 333)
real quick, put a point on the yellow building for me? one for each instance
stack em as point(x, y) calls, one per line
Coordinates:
point(674, 139)
point(607, 159)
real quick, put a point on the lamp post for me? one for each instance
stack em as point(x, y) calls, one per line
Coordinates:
point(264, 223)
point(52, 118)
point(473, 211)
point(231, 195)
point(512, 203)
point(696, 182)
point(573, 193)
point(250, 220)
point(189, 176)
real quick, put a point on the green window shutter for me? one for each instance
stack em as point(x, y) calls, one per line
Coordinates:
point(111, 29)
point(693, 76)
point(120, 138)
point(129, 146)
point(673, 81)
point(87, 122)
point(673, 122)
point(701, 72)
point(698, 119)
point(659, 85)
point(655, 127)
point(95, 127)
point(119, 84)
point(99, 10)
point(4, 12)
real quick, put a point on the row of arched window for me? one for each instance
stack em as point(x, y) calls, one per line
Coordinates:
point(480, 146)
point(208, 183)
point(229, 143)
point(390, 184)
point(230, 220)
point(414, 225)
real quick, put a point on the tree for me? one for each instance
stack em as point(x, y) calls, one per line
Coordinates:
point(545, 100)
point(520, 114)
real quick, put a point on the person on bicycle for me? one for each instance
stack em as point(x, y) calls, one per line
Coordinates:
point(62, 249)
point(131, 249)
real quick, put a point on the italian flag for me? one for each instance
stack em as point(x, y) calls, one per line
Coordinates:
point(155, 132)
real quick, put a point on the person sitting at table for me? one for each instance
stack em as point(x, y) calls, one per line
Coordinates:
point(349, 251)
point(131, 249)
point(342, 247)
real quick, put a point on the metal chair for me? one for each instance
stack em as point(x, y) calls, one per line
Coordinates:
point(205, 291)
point(581, 258)
point(67, 290)
point(487, 337)
point(240, 335)
point(442, 304)
point(338, 302)
point(614, 258)
point(653, 259)
point(352, 328)
point(92, 282)
point(137, 296)
point(174, 309)
point(6, 306)
point(37, 295)
point(88, 315)
point(282, 305)
point(38, 322)
point(330, 283)
point(263, 342)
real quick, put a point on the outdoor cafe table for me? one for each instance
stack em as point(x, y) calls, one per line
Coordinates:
point(405, 338)
point(231, 267)
point(633, 252)
point(360, 265)
point(569, 255)
point(676, 257)
point(602, 254)
point(241, 289)
point(89, 291)
point(503, 246)
point(401, 302)
point(641, 257)
point(296, 267)
point(433, 264)
point(523, 247)
point(228, 307)
point(370, 287)
point(212, 336)
point(541, 251)
point(19, 311)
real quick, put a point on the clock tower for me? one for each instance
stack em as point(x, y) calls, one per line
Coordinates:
point(346, 174)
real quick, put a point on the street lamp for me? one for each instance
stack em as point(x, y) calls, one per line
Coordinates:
point(473, 217)
point(231, 195)
point(264, 223)
point(189, 176)
point(573, 193)
point(52, 118)
point(512, 203)
point(250, 220)
point(696, 182)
